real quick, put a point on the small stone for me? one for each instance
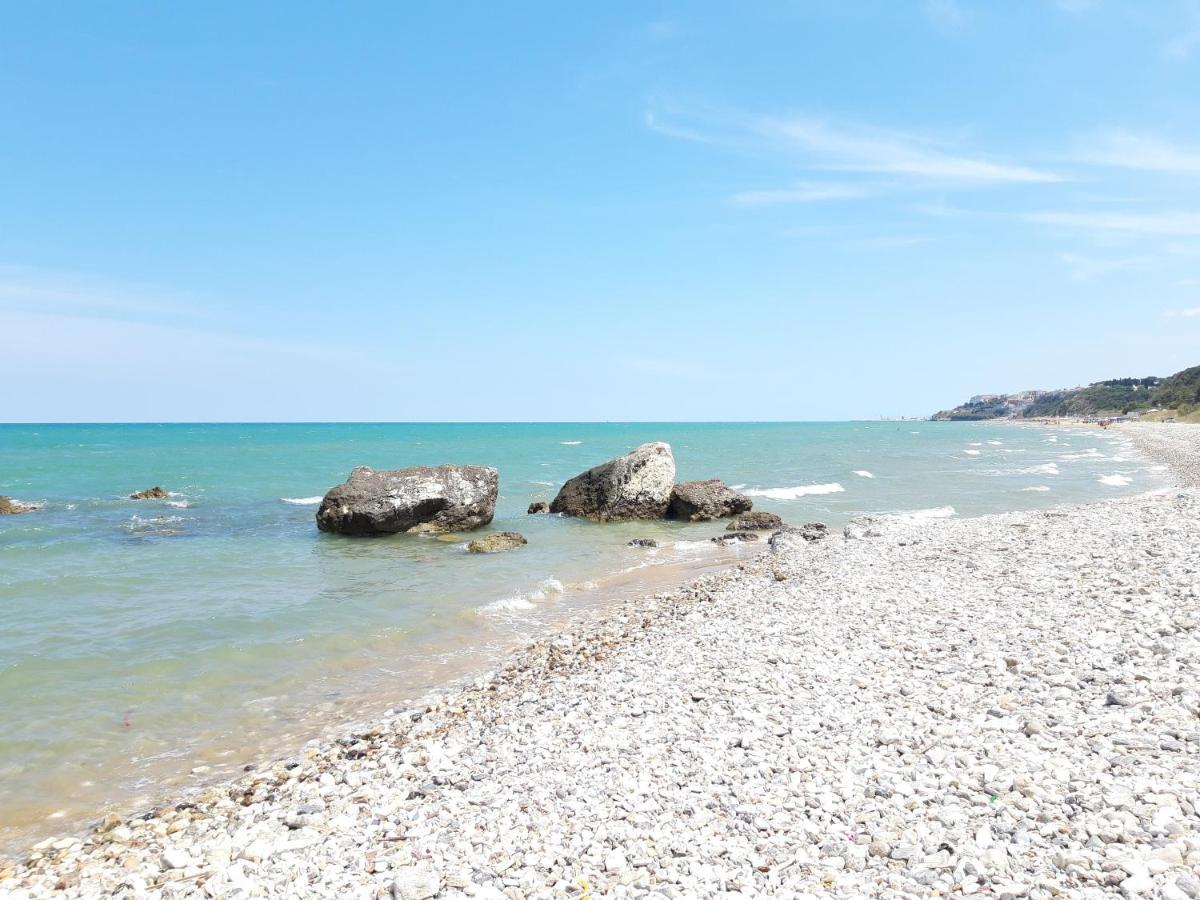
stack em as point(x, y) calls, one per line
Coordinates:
point(175, 858)
point(418, 882)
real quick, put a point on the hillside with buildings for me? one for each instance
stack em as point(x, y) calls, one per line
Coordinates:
point(1177, 395)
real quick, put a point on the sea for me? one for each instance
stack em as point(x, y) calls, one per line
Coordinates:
point(149, 647)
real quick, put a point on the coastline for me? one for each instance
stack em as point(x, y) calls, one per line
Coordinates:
point(644, 747)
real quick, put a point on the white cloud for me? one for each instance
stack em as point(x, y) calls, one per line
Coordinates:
point(1187, 313)
point(947, 16)
point(1127, 150)
point(656, 124)
point(1086, 268)
point(1161, 223)
point(805, 192)
point(861, 150)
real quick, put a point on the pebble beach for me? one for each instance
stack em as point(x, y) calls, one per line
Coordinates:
point(1004, 706)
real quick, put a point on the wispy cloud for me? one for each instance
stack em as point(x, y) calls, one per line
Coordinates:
point(1087, 268)
point(947, 16)
point(891, 153)
point(1075, 6)
point(1128, 150)
point(47, 291)
point(804, 192)
point(1186, 313)
point(1159, 223)
point(656, 123)
point(1180, 46)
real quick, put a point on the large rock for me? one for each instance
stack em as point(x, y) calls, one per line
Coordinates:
point(699, 501)
point(635, 486)
point(11, 507)
point(497, 541)
point(755, 521)
point(422, 498)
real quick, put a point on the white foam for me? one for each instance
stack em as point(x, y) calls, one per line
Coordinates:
point(976, 443)
point(1045, 469)
point(971, 452)
point(302, 501)
point(1050, 440)
point(1036, 487)
point(863, 473)
point(570, 443)
point(525, 600)
point(1116, 480)
point(795, 493)
point(995, 443)
point(179, 504)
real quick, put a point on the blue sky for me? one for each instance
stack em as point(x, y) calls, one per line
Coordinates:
point(803, 210)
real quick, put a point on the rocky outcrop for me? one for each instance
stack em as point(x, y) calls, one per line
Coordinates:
point(755, 521)
point(809, 531)
point(154, 493)
point(635, 486)
point(732, 536)
point(699, 501)
point(419, 499)
point(497, 541)
point(540, 506)
point(11, 507)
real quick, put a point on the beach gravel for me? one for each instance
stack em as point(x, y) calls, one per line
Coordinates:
point(1006, 706)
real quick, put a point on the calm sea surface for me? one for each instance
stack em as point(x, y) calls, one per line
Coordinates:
point(140, 641)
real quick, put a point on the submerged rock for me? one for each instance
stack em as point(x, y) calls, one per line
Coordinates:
point(11, 507)
point(540, 506)
point(755, 521)
point(643, 542)
point(731, 536)
point(699, 501)
point(497, 541)
point(432, 499)
point(154, 493)
point(635, 486)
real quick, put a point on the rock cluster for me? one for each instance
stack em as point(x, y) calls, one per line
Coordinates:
point(755, 521)
point(1005, 706)
point(435, 499)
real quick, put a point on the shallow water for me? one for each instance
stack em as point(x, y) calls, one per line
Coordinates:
point(139, 640)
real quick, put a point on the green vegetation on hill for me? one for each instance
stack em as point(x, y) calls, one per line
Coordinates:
point(1180, 392)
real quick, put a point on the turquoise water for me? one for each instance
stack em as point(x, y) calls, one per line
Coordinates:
point(142, 640)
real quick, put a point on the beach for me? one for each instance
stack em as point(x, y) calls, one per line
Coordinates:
point(1003, 705)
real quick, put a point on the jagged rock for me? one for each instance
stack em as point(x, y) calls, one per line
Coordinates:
point(735, 536)
point(154, 493)
point(755, 521)
point(814, 531)
point(635, 486)
point(643, 542)
point(540, 506)
point(699, 501)
point(432, 499)
point(497, 541)
point(11, 507)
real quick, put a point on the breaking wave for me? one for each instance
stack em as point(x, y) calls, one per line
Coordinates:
point(1036, 487)
point(302, 501)
point(1116, 480)
point(863, 473)
point(795, 493)
point(1045, 469)
point(524, 600)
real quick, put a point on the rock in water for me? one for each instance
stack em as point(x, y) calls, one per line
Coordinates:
point(540, 506)
point(423, 498)
point(732, 536)
point(635, 486)
point(699, 501)
point(497, 541)
point(11, 507)
point(154, 493)
point(643, 542)
point(755, 521)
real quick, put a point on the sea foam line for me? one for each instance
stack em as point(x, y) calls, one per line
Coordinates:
point(302, 501)
point(795, 493)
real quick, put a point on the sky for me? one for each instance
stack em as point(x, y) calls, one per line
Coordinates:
point(614, 211)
